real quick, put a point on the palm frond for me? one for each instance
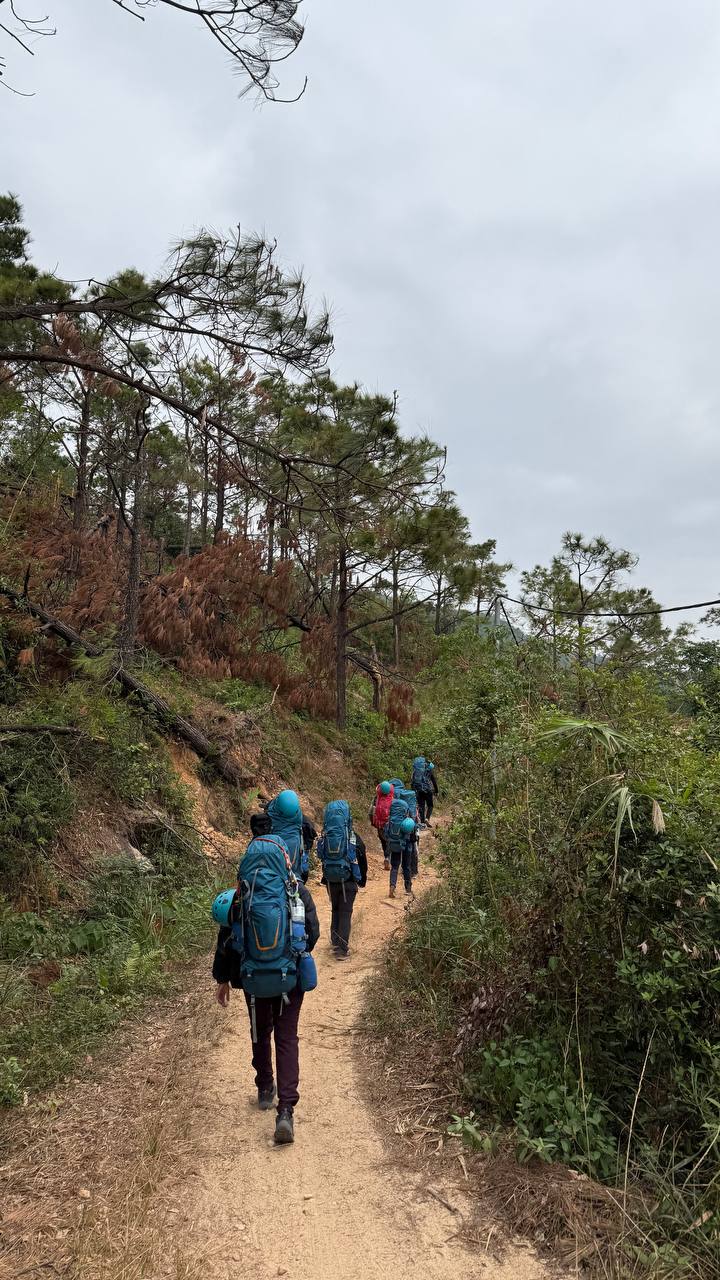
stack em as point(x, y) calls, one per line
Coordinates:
point(589, 732)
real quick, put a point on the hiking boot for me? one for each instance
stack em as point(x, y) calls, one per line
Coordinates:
point(392, 891)
point(340, 954)
point(284, 1128)
point(266, 1098)
point(409, 891)
point(387, 864)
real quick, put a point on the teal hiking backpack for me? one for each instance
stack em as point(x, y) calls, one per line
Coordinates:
point(269, 959)
point(421, 775)
point(410, 799)
point(399, 811)
point(290, 832)
point(336, 847)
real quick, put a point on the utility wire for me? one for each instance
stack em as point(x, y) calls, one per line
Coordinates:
point(614, 613)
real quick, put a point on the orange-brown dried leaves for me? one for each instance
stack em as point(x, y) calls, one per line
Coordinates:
point(400, 711)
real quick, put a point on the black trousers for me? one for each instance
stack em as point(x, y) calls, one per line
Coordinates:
point(426, 802)
point(273, 1017)
point(342, 900)
point(405, 860)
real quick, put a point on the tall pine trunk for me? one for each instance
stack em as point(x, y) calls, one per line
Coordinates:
point(131, 609)
point(270, 537)
point(80, 508)
point(396, 608)
point(81, 482)
point(187, 534)
point(219, 491)
point(205, 491)
point(438, 605)
point(341, 639)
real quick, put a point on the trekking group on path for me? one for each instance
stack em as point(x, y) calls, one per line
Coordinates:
point(269, 924)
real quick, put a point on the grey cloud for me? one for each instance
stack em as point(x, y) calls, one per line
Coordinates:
point(512, 209)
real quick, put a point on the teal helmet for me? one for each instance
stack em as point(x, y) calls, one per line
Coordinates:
point(222, 906)
point(287, 804)
point(385, 788)
point(407, 826)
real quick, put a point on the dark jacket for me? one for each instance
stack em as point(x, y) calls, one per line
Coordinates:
point(226, 962)
point(309, 834)
point(362, 861)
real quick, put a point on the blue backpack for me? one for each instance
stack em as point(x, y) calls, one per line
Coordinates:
point(336, 847)
point(290, 832)
point(420, 775)
point(268, 960)
point(410, 799)
point(396, 838)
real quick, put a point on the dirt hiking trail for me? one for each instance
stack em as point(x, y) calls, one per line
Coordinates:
point(336, 1204)
point(158, 1165)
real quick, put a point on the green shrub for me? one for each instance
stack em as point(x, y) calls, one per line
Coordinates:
point(530, 1084)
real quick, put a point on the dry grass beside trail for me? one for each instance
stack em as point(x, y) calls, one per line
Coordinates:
point(81, 1169)
point(576, 1223)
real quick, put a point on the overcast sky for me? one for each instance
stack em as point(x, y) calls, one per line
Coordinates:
point(512, 207)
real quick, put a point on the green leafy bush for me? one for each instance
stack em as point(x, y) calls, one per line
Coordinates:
point(586, 1013)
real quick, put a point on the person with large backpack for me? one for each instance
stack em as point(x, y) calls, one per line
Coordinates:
point(400, 834)
point(380, 812)
point(268, 928)
point(425, 787)
point(344, 863)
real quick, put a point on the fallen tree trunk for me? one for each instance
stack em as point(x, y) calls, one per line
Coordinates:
point(169, 719)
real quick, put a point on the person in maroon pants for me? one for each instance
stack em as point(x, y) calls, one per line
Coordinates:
point(274, 1019)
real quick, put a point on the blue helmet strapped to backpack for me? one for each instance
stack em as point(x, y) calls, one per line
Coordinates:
point(222, 907)
point(287, 819)
point(386, 788)
point(408, 826)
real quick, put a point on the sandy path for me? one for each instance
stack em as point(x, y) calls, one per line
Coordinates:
point(336, 1204)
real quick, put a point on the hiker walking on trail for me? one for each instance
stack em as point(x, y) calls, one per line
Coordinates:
point(379, 814)
point(401, 838)
point(344, 863)
point(424, 785)
point(268, 927)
